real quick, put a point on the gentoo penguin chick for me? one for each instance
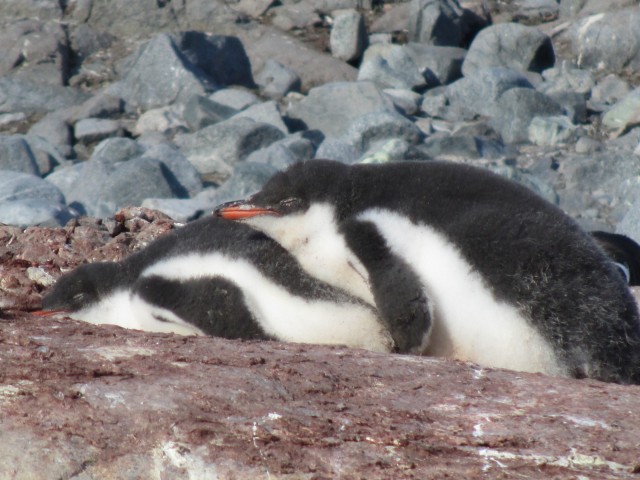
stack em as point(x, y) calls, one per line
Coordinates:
point(623, 251)
point(460, 263)
point(218, 278)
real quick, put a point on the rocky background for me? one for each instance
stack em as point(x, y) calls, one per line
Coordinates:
point(180, 105)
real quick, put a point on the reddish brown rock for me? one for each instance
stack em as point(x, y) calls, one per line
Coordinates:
point(31, 259)
point(80, 401)
point(83, 402)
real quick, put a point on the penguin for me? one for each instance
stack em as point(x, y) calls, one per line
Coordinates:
point(213, 277)
point(459, 262)
point(623, 252)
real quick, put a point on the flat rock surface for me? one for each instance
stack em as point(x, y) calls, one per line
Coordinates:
point(80, 401)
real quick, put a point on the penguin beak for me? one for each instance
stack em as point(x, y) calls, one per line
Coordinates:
point(241, 210)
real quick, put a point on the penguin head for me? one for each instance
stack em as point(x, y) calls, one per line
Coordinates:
point(82, 287)
point(290, 192)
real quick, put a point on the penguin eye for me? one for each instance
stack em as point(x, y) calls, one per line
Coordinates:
point(290, 203)
point(78, 297)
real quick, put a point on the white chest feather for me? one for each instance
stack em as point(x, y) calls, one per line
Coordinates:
point(313, 239)
point(281, 314)
point(129, 311)
point(469, 324)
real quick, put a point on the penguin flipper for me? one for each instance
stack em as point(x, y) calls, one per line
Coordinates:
point(213, 305)
point(398, 292)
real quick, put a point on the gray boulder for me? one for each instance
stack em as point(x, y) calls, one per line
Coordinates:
point(179, 172)
point(284, 153)
point(181, 209)
point(221, 57)
point(630, 223)
point(91, 130)
point(31, 9)
point(16, 155)
point(200, 111)
point(516, 108)
point(276, 80)
point(607, 91)
point(533, 12)
point(173, 68)
point(235, 98)
point(444, 64)
point(142, 18)
point(582, 8)
point(332, 107)
point(160, 75)
point(509, 45)
point(461, 147)
point(86, 40)
point(440, 22)
point(36, 50)
point(246, 179)
point(166, 121)
point(121, 172)
point(295, 16)
point(371, 130)
point(478, 94)
point(348, 37)
point(390, 66)
point(56, 130)
point(339, 150)
point(392, 19)
point(314, 67)
point(552, 131)
point(265, 112)
point(102, 188)
point(565, 79)
point(406, 102)
point(574, 105)
point(23, 186)
point(624, 114)
point(115, 150)
point(24, 95)
point(607, 41)
point(35, 211)
point(47, 156)
point(215, 149)
point(100, 105)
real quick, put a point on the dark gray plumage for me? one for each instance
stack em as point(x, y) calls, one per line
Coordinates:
point(530, 256)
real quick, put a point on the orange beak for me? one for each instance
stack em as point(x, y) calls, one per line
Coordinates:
point(240, 210)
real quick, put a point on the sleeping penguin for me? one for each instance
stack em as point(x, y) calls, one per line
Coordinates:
point(459, 262)
point(218, 278)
